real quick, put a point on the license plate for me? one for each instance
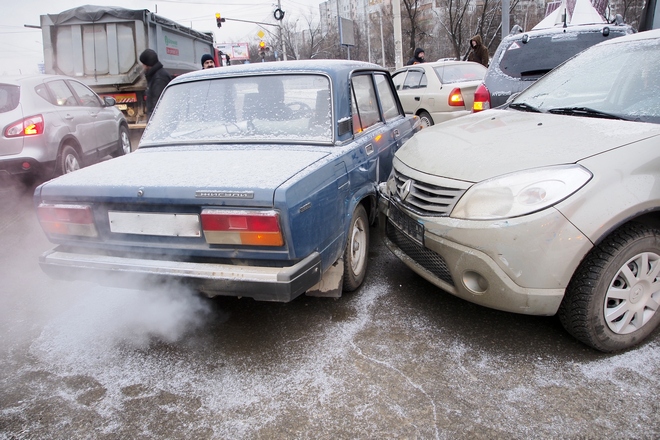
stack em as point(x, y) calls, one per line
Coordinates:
point(121, 106)
point(406, 224)
point(164, 225)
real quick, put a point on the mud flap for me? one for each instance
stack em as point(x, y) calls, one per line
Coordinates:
point(331, 282)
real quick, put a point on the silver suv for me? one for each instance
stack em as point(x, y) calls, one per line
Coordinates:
point(54, 125)
point(523, 57)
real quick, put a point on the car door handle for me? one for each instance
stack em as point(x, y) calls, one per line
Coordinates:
point(395, 132)
point(68, 117)
point(417, 98)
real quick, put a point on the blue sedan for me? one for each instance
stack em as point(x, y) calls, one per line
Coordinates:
point(256, 180)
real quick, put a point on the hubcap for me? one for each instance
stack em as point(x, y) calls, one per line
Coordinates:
point(125, 142)
point(71, 164)
point(358, 246)
point(634, 294)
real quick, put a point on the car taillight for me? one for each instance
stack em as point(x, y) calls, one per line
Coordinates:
point(67, 220)
point(481, 99)
point(260, 228)
point(31, 126)
point(456, 98)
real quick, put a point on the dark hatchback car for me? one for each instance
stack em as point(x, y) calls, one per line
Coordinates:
point(524, 57)
point(256, 180)
point(53, 124)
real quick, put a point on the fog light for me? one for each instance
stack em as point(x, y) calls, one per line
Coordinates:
point(475, 283)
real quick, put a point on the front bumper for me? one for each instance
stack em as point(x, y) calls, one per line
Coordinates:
point(518, 265)
point(281, 284)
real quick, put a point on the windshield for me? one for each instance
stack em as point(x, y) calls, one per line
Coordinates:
point(619, 80)
point(292, 108)
point(9, 97)
point(460, 72)
point(541, 54)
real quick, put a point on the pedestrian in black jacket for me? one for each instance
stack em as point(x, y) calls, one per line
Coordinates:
point(418, 57)
point(157, 78)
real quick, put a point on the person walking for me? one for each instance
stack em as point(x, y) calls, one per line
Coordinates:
point(479, 52)
point(207, 61)
point(157, 78)
point(417, 58)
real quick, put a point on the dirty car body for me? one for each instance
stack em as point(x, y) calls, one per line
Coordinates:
point(549, 205)
point(255, 180)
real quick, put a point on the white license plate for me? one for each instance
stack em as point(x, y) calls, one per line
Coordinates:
point(121, 106)
point(145, 223)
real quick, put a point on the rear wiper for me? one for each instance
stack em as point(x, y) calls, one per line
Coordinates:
point(524, 107)
point(584, 111)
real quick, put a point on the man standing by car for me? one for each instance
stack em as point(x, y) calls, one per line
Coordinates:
point(479, 53)
point(157, 78)
point(207, 61)
point(417, 58)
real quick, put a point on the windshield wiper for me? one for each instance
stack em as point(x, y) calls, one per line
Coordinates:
point(584, 111)
point(522, 106)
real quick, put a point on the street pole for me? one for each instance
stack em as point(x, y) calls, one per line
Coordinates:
point(279, 6)
point(382, 40)
point(398, 52)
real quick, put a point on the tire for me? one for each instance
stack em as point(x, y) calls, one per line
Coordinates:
point(124, 146)
point(611, 303)
point(426, 119)
point(357, 250)
point(69, 160)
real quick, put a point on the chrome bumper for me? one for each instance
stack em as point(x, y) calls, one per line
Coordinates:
point(280, 284)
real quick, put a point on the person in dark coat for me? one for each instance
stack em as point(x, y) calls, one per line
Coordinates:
point(207, 61)
point(417, 58)
point(157, 78)
point(479, 52)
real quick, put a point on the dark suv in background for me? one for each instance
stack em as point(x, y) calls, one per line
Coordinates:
point(523, 57)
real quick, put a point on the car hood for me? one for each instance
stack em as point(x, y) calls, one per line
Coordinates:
point(181, 173)
point(496, 142)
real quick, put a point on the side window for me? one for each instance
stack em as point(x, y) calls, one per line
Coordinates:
point(42, 91)
point(414, 79)
point(387, 98)
point(87, 97)
point(398, 79)
point(365, 103)
point(63, 95)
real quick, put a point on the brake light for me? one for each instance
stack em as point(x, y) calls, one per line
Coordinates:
point(34, 125)
point(456, 98)
point(260, 228)
point(67, 220)
point(481, 99)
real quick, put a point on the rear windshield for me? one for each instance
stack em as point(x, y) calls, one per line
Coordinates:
point(460, 72)
point(244, 109)
point(9, 97)
point(541, 54)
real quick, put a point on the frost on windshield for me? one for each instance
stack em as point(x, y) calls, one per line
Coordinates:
point(295, 108)
point(616, 79)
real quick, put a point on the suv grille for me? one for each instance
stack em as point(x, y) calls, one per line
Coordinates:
point(426, 198)
point(426, 258)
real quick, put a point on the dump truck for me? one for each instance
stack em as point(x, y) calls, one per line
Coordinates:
point(101, 46)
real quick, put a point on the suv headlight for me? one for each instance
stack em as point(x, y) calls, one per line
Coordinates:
point(520, 193)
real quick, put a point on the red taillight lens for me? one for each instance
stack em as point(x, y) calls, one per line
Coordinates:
point(34, 125)
point(456, 98)
point(67, 220)
point(481, 99)
point(261, 228)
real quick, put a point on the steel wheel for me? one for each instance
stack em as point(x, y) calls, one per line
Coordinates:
point(613, 298)
point(425, 119)
point(124, 143)
point(69, 160)
point(357, 249)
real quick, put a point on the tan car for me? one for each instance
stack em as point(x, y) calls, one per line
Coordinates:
point(440, 91)
point(548, 205)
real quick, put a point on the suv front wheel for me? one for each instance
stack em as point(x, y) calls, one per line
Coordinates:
point(612, 301)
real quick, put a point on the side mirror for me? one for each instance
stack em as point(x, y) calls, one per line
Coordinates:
point(109, 101)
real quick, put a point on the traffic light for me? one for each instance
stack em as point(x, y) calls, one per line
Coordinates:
point(262, 45)
point(219, 20)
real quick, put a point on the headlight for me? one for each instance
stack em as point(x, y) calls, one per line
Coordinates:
point(520, 193)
